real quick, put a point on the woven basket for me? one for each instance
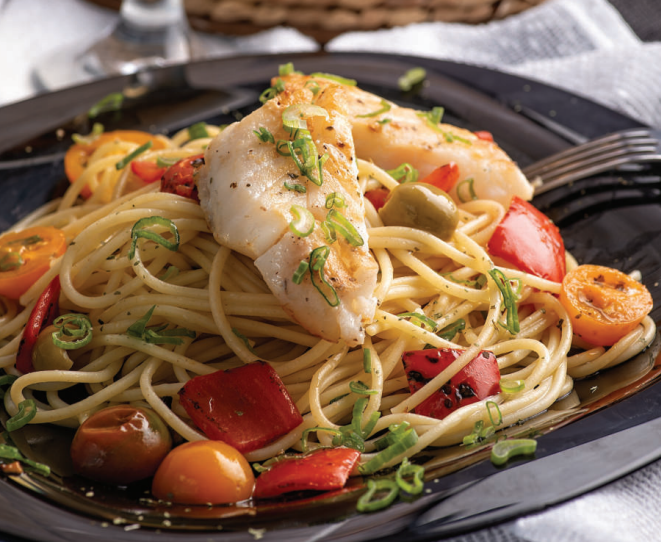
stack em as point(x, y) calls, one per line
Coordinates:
point(325, 19)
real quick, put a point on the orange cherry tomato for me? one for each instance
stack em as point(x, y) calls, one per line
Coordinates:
point(604, 304)
point(204, 471)
point(75, 160)
point(26, 255)
point(149, 172)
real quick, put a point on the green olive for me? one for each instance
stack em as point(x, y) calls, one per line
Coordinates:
point(48, 357)
point(421, 206)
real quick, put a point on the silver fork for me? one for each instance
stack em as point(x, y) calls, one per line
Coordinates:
point(634, 146)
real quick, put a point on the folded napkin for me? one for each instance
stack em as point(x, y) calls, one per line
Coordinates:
point(583, 46)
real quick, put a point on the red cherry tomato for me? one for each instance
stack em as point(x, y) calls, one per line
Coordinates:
point(121, 444)
point(444, 177)
point(201, 472)
point(483, 134)
point(377, 197)
point(180, 177)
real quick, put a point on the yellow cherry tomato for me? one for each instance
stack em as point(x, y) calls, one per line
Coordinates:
point(604, 304)
point(26, 255)
point(204, 471)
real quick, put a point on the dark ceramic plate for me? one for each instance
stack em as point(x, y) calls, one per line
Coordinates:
point(612, 219)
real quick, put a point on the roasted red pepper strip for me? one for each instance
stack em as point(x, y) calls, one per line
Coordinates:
point(179, 178)
point(149, 172)
point(322, 470)
point(528, 239)
point(377, 197)
point(444, 177)
point(43, 314)
point(476, 381)
point(247, 407)
point(483, 134)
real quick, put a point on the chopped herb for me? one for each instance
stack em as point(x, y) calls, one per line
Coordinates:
point(244, 339)
point(449, 331)
point(419, 319)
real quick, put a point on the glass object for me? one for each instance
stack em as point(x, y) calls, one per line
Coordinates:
point(149, 33)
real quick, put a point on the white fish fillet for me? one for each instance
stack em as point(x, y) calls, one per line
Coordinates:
point(244, 199)
point(407, 137)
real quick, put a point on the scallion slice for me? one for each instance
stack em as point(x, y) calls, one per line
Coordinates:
point(336, 78)
point(505, 449)
point(264, 135)
point(367, 360)
point(304, 436)
point(166, 162)
point(367, 502)
point(509, 300)
point(471, 196)
point(132, 156)
point(404, 173)
point(303, 223)
point(449, 331)
point(318, 259)
point(111, 102)
point(412, 77)
point(73, 331)
point(139, 231)
point(335, 199)
point(499, 421)
point(273, 91)
point(512, 386)
point(360, 388)
point(27, 410)
point(97, 130)
point(385, 107)
point(300, 272)
point(416, 472)
point(341, 224)
point(12, 453)
point(197, 131)
point(401, 443)
point(313, 86)
point(287, 69)
point(293, 117)
point(296, 187)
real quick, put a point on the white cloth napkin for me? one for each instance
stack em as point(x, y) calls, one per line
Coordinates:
point(583, 46)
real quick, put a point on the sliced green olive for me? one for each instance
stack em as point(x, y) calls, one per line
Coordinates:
point(48, 357)
point(421, 206)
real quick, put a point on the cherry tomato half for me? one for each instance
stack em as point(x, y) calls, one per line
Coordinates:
point(204, 471)
point(120, 444)
point(76, 158)
point(26, 255)
point(180, 177)
point(604, 304)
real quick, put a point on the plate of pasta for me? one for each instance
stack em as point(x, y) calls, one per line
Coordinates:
point(326, 310)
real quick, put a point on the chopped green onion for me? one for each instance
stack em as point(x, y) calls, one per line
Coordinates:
point(449, 331)
point(264, 135)
point(361, 388)
point(197, 131)
point(334, 199)
point(309, 163)
point(166, 162)
point(385, 107)
point(479, 435)
point(512, 386)
point(421, 319)
point(111, 102)
point(329, 232)
point(303, 223)
point(97, 130)
point(336, 399)
point(296, 187)
point(412, 77)
point(472, 196)
point(478, 283)
point(132, 156)
point(170, 273)
point(76, 326)
point(300, 272)
point(244, 339)
point(403, 442)
point(341, 224)
point(287, 69)
point(367, 360)
point(506, 449)
point(500, 415)
point(395, 432)
point(318, 259)
point(313, 86)
point(383, 121)
point(273, 91)
point(168, 336)
point(417, 472)
point(433, 117)
point(508, 299)
point(27, 241)
point(26, 411)
point(139, 231)
point(367, 502)
point(10, 261)
point(12, 453)
point(336, 78)
point(304, 436)
point(404, 173)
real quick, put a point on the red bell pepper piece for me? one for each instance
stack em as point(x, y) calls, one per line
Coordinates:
point(322, 470)
point(377, 197)
point(483, 134)
point(528, 239)
point(149, 172)
point(179, 178)
point(476, 381)
point(247, 407)
point(444, 177)
point(43, 314)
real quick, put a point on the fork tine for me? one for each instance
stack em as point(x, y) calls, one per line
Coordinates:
point(593, 169)
point(619, 138)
